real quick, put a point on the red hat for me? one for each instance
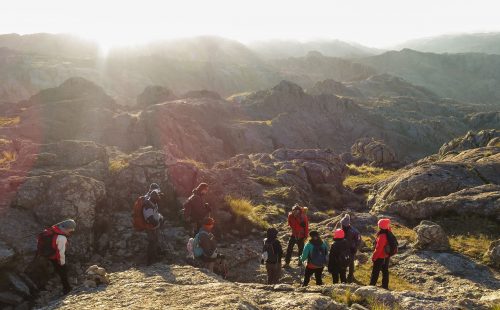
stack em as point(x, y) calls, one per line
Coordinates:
point(338, 234)
point(384, 223)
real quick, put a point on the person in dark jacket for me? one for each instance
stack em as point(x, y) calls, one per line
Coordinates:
point(380, 258)
point(272, 253)
point(208, 244)
point(155, 219)
point(195, 208)
point(298, 222)
point(339, 257)
point(353, 238)
point(316, 255)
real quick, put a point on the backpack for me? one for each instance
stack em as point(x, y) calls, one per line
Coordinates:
point(354, 238)
point(392, 244)
point(45, 243)
point(272, 256)
point(317, 256)
point(343, 258)
point(196, 248)
point(139, 222)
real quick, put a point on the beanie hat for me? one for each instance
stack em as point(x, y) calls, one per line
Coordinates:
point(384, 223)
point(338, 234)
point(67, 224)
point(154, 186)
point(313, 233)
point(209, 221)
point(346, 220)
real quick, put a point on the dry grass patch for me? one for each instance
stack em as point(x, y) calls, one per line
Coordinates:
point(284, 193)
point(360, 175)
point(267, 181)
point(348, 298)
point(5, 141)
point(197, 164)
point(6, 158)
point(9, 121)
point(403, 232)
point(117, 165)
point(363, 274)
point(244, 208)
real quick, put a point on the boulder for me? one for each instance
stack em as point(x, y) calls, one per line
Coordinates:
point(376, 293)
point(493, 253)
point(18, 284)
point(374, 151)
point(470, 141)
point(431, 236)
point(10, 298)
point(155, 94)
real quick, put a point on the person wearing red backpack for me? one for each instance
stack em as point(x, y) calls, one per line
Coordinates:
point(298, 222)
point(52, 244)
point(384, 249)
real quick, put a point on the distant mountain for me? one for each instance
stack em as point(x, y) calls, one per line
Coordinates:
point(466, 77)
point(63, 45)
point(488, 43)
point(334, 48)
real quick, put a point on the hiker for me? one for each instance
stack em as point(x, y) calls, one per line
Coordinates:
point(315, 253)
point(385, 247)
point(339, 257)
point(52, 244)
point(272, 253)
point(154, 221)
point(195, 209)
point(298, 222)
point(353, 238)
point(206, 244)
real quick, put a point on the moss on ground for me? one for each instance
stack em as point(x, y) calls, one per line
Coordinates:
point(361, 175)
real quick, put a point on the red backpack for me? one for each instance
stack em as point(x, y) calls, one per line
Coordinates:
point(138, 220)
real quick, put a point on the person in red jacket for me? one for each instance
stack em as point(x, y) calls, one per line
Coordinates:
point(298, 222)
point(380, 257)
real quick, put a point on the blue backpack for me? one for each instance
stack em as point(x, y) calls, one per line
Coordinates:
point(197, 250)
point(317, 256)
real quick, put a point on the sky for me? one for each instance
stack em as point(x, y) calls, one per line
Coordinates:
point(375, 23)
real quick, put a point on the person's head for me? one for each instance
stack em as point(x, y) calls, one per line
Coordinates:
point(67, 226)
point(208, 224)
point(338, 234)
point(384, 224)
point(272, 233)
point(314, 234)
point(346, 221)
point(154, 186)
point(296, 210)
point(155, 195)
point(202, 188)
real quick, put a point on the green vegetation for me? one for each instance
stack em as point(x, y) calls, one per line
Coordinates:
point(495, 307)
point(117, 165)
point(6, 158)
point(197, 164)
point(267, 181)
point(284, 193)
point(348, 298)
point(403, 232)
point(9, 121)
point(364, 174)
point(244, 208)
point(470, 235)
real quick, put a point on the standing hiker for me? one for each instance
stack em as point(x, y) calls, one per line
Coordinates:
point(52, 244)
point(353, 238)
point(272, 253)
point(195, 208)
point(315, 253)
point(298, 222)
point(386, 246)
point(339, 257)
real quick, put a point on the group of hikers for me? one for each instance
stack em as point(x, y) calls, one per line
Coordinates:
point(315, 254)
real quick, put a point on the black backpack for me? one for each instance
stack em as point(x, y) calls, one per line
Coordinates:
point(343, 258)
point(272, 255)
point(44, 245)
point(392, 244)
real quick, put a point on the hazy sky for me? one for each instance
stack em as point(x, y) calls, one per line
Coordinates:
point(377, 23)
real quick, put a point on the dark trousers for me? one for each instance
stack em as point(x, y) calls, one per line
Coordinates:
point(273, 273)
point(291, 243)
point(63, 274)
point(339, 274)
point(350, 276)
point(317, 274)
point(381, 264)
point(153, 246)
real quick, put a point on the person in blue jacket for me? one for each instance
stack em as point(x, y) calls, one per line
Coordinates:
point(315, 253)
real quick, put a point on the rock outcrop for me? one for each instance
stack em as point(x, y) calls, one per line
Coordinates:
point(373, 151)
point(493, 253)
point(431, 236)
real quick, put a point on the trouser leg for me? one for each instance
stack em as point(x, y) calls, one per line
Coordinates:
point(350, 276)
point(335, 277)
point(63, 274)
point(300, 242)
point(385, 274)
point(273, 273)
point(307, 276)
point(152, 251)
point(342, 275)
point(318, 274)
point(289, 249)
point(377, 266)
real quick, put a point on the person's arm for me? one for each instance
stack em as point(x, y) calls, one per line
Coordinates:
point(306, 229)
point(379, 247)
point(331, 258)
point(305, 253)
point(61, 247)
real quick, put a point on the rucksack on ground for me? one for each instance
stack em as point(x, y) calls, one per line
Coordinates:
point(392, 244)
point(139, 222)
point(318, 256)
point(197, 249)
point(272, 256)
point(45, 245)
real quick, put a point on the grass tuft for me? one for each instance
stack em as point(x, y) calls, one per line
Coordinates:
point(9, 121)
point(267, 181)
point(244, 208)
point(284, 193)
point(117, 165)
point(348, 298)
point(197, 164)
point(360, 175)
point(6, 158)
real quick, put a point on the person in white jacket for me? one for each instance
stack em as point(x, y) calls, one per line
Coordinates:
point(61, 232)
